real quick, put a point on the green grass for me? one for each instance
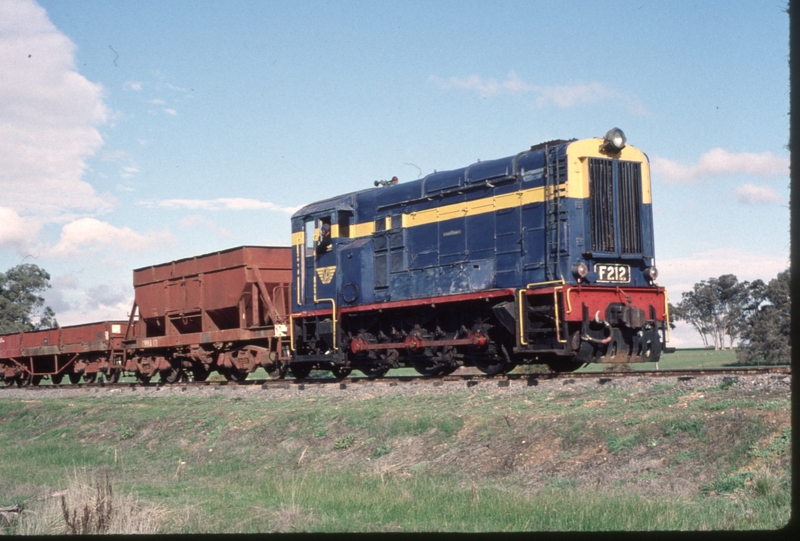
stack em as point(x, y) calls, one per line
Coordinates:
point(468, 461)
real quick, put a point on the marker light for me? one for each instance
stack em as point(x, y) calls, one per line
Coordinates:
point(580, 270)
point(651, 273)
point(614, 140)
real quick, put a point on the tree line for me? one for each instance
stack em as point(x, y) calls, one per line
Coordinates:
point(722, 310)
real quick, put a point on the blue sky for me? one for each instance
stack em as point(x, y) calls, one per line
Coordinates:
point(134, 133)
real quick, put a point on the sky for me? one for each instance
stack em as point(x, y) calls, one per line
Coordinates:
point(134, 133)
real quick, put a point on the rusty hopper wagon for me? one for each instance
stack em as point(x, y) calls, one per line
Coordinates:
point(226, 311)
point(78, 351)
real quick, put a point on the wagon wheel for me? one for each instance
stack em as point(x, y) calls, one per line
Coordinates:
point(199, 372)
point(300, 370)
point(171, 375)
point(113, 376)
point(36, 380)
point(339, 371)
point(55, 379)
point(23, 379)
point(90, 378)
point(141, 378)
point(74, 378)
point(234, 374)
point(278, 370)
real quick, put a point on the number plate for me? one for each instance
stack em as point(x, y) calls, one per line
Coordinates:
point(617, 274)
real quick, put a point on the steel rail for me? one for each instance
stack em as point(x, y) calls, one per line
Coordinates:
point(470, 379)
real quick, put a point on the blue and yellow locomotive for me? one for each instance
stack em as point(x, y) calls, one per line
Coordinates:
point(544, 257)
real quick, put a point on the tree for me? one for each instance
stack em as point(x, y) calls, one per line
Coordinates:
point(717, 307)
point(20, 300)
point(767, 337)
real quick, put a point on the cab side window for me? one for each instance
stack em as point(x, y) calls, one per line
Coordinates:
point(324, 241)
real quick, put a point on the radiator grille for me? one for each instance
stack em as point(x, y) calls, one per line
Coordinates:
point(615, 190)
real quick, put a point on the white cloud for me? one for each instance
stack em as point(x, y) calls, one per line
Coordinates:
point(719, 161)
point(80, 310)
point(14, 231)
point(235, 203)
point(128, 172)
point(172, 112)
point(564, 96)
point(750, 194)
point(49, 115)
point(680, 274)
point(136, 86)
point(91, 235)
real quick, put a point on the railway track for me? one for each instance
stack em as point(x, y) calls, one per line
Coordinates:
point(469, 379)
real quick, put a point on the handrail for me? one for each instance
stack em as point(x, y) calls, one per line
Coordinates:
point(521, 324)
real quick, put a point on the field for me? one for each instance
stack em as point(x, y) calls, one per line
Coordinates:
point(639, 454)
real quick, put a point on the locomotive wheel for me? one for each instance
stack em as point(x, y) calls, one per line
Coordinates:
point(23, 380)
point(492, 367)
point(55, 379)
point(141, 378)
point(374, 371)
point(90, 378)
point(36, 380)
point(428, 366)
point(74, 378)
point(300, 370)
point(449, 369)
point(564, 366)
point(113, 376)
point(340, 372)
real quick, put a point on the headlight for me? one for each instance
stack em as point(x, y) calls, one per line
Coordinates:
point(614, 141)
point(651, 273)
point(580, 270)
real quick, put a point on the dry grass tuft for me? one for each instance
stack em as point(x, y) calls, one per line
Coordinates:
point(290, 518)
point(90, 506)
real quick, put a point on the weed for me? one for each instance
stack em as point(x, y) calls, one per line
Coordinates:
point(727, 484)
point(320, 432)
point(773, 405)
point(380, 450)
point(345, 442)
point(683, 456)
point(570, 432)
point(722, 405)
point(124, 432)
point(618, 443)
point(765, 484)
point(776, 446)
point(693, 427)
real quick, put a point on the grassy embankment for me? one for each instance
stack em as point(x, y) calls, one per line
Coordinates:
point(666, 457)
